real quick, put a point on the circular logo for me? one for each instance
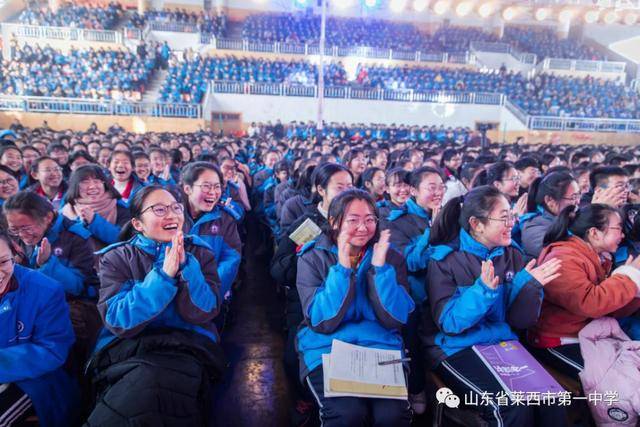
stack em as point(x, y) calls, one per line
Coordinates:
point(617, 414)
point(20, 326)
point(57, 251)
point(214, 229)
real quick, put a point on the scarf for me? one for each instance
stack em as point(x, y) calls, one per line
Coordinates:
point(127, 189)
point(105, 207)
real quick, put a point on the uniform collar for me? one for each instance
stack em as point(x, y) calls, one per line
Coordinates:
point(472, 246)
point(415, 209)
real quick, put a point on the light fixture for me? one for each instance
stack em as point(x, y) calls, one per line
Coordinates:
point(441, 7)
point(464, 8)
point(370, 3)
point(509, 13)
point(630, 18)
point(420, 5)
point(343, 4)
point(397, 6)
point(611, 17)
point(565, 16)
point(485, 10)
point(300, 3)
point(542, 13)
point(591, 16)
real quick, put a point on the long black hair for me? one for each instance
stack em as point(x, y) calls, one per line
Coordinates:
point(553, 185)
point(86, 172)
point(578, 222)
point(455, 215)
point(322, 175)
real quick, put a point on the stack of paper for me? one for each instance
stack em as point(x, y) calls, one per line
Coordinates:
point(353, 370)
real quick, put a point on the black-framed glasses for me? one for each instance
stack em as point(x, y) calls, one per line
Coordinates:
point(207, 187)
point(572, 198)
point(161, 210)
point(507, 221)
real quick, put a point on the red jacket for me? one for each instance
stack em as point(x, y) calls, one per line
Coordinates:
point(584, 291)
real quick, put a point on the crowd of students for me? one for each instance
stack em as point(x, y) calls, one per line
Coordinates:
point(129, 246)
point(304, 27)
point(205, 22)
point(88, 73)
point(75, 16)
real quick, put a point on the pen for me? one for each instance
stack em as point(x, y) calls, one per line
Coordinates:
point(394, 361)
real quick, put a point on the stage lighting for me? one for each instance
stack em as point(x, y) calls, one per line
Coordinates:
point(591, 16)
point(542, 14)
point(371, 3)
point(565, 16)
point(464, 8)
point(397, 6)
point(509, 13)
point(300, 3)
point(631, 18)
point(441, 7)
point(420, 5)
point(485, 10)
point(611, 17)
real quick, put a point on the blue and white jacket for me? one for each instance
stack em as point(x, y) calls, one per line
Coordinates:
point(135, 293)
point(365, 306)
point(35, 339)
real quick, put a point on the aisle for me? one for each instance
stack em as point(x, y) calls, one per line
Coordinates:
point(255, 391)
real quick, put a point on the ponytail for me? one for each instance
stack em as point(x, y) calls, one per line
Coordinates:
point(446, 226)
point(578, 222)
point(532, 195)
point(559, 230)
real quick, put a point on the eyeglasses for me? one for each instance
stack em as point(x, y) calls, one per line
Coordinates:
point(507, 221)
point(207, 187)
point(572, 198)
point(85, 185)
point(515, 178)
point(8, 181)
point(368, 222)
point(17, 231)
point(52, 170)
point(614, 228)
point(162, 210)
point(432, 188)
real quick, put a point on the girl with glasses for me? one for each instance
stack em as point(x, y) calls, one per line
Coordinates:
point(34, 344)
point(480, 291)
point(353, 287)
point(584, 240)
point(93, 201)
point(60, 249)
point(547, 197)
point(159, 294)
point(49, 181)
point(208, 218)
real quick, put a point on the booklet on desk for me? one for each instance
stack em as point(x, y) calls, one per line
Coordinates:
point(517, 370)
point(353, 370)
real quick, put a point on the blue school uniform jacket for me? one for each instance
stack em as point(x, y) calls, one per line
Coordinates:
point(365, 306)
point(462, 311)
point(35, 339)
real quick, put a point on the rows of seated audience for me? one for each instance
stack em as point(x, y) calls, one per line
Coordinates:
point(205, 22)
point(130, 246)
point(75, 16)
point(89, 73)
point(545, 43)
point(187, 80)
point(348, 32)
point(545, 95)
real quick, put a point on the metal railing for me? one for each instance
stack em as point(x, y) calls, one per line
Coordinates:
point(504, 48)
point(517, 111)
point(34, 104)
point(62, 33)
point(354, 92)
point(583, 65)
point(583, 124)
point(336, 51)
point(176, 27)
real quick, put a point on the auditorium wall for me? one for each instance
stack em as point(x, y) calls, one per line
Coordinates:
point(264, 108)
point(79, 122)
